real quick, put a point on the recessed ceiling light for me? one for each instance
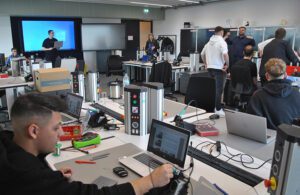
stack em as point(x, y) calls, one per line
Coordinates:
point(151, 4)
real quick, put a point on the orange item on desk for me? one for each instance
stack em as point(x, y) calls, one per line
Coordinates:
point(3, 75)
point(85, 162)
point(71, 132)
point(291, 69)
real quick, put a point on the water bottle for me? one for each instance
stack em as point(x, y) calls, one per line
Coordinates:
point(137, 54)
point(125, 81)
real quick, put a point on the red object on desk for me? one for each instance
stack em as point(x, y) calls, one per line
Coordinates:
point(291, 69)
point(71, 132)
point(3, 75)
point(85, 162)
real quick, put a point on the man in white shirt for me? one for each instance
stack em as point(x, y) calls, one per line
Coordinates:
point(216, 61)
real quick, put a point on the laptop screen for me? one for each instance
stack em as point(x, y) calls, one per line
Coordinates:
point(169, 142)
point(74, 104)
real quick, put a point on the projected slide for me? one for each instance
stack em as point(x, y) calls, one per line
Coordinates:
point(35, 32)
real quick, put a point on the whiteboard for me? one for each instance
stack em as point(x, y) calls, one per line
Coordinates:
point(102, 36)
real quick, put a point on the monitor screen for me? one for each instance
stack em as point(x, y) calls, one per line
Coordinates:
point(169, 142)
point(74, 104)
point(2, 59)
point(36, 31)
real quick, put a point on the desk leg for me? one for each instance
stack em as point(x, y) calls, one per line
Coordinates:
point(10, 98)
point(148, 72)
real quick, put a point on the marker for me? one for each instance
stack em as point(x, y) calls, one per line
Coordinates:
point(85, 162)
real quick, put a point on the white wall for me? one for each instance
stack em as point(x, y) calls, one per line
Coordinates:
point(6, 36)
point(229, 14)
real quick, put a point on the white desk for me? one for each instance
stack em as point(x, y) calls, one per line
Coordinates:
point(229, 184)
point(9, 85)
point(148, 65)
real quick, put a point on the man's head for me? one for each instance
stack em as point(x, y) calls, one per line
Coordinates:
point(36, 121)
point(14, 51)
point(51, 33)
point(242, 31)
point(275, 69)
point(219, 31)
point(280, 33)
point(248, 51)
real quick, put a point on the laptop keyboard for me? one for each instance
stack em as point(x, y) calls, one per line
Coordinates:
point(148, 160)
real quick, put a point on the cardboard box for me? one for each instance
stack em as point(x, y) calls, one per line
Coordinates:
point(52, 79)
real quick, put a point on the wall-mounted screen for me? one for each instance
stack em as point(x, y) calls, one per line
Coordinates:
point(103, 36)
point(36, 31)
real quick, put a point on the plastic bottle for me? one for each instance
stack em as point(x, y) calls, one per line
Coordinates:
point(125, 81)
point(137, 54)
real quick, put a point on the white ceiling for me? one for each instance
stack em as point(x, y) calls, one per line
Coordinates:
point(148, 3)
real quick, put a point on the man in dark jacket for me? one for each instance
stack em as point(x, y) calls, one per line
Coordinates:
point(277, 48)
point(278, 101)
point(238, 44)
point(36, 123)
point(151, 45)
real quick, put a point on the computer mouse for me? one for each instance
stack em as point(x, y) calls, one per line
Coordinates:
point(120, 171)
point(214, 117)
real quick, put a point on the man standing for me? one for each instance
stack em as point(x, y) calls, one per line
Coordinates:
point(238, 44)
point(51, 53)
point(36, 122)
point(277, 48)
point(215, 56)
point(14, 54)
point(277, 101)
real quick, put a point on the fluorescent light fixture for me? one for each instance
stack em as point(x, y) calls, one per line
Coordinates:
point(189, 1)
point(151, 4)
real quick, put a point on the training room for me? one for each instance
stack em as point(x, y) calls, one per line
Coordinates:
point(158, 97)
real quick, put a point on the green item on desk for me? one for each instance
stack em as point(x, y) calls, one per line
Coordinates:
point(57, 149)
point(87, 140)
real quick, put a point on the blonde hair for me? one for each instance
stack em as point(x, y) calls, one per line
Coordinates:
point(275, 67)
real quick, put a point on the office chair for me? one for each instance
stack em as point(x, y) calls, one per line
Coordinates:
point(162, 73)
point(203, 91)
point(114, 65)
point(242, 86)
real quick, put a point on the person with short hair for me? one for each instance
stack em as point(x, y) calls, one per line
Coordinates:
point(36, 121)
point(151, 45)
point(14, 54)
point(51, 53)
point(277, 48)
point(277, 101)
point(238, 44)
point(216, 60)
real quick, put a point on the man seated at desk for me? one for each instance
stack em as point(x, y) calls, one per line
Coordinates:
point(36, 121)
point(278, 101)
point(14, 54)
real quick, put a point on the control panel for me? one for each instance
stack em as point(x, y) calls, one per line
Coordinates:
point(75, 82)
point(135, 114)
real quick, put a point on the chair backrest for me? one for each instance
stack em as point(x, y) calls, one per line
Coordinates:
point(114, 62)
point(203, 91)
point(162, 73)
point(241, 80)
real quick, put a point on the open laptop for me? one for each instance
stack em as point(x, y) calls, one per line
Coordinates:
point(249, 126)
point(74, 104)
point(58, 44)
point(167, 144)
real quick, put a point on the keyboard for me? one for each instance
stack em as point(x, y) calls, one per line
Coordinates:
point(148, 160)
point(227, 168)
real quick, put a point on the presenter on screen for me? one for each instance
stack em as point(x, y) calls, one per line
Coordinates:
point(51, 53)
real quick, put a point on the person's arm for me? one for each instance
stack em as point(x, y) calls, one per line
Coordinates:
point(226, 58)
point(203, 56)
point(158, 178)
point(7, 63)
point(291, 54)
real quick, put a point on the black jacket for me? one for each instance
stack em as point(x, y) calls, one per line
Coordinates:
point(277, 48)
point(167, 45)
point(278, 101)
point(152, 43)
point(237, 45)
point(23, 173)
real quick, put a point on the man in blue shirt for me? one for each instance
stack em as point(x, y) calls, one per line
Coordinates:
point(14, 54)
point(238, 44)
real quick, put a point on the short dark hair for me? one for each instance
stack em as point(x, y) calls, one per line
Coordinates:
point(248, 50)
point(244, 27)
point(226, 30)
point(36, 104)
point(13, 49)
point(49, 31)
point(280, 33)
point(219, 29)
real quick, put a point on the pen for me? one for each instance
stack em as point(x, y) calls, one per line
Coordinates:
point(85, 162)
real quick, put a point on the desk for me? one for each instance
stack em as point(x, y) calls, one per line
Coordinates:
point(11, 83)
point(147, 67)
point(229, 184)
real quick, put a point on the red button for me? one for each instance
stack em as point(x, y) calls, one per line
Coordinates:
point(134, 96)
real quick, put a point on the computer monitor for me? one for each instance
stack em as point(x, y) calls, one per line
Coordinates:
point(2, 59)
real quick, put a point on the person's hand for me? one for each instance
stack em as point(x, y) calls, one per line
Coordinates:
point(161, 176)
point(225, 68)
point(153, 47)
point(67, 172)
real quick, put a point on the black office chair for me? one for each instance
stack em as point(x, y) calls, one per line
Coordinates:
point(203, 91)
point(114, 65)
point(162, 73)
point(242, 86)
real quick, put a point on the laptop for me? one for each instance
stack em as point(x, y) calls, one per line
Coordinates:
point(249, 126)
point(167, 144)
point(58, 44)
point(74, 104)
